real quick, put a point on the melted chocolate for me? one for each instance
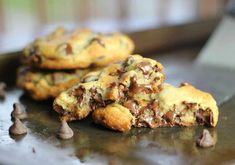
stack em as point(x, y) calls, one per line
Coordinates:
point(132, 105)
point(145, 67)
point(169, 116)
point(79, 93)
point(204, 117)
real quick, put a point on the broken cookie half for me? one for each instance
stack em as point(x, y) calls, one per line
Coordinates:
point(183, 106)
point(136, 78)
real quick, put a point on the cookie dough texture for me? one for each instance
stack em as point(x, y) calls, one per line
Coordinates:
point(188, 106)
point(78, 49)
point(136, 78)
point(41, 84)
point(183, 106)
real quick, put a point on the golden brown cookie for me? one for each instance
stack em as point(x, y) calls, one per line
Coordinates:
point(183, 106)
point(114, 116)
point(41, 84)
point(78, 49)
point(187, 106)
point(136, 78)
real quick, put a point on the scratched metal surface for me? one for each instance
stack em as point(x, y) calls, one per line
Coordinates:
point(95, 145)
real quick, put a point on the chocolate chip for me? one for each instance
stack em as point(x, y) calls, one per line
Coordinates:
point(79, 93)
point(68, 49)
point(136, 88)
point(154, 105)
point(33, 150)
point(189, 105)
point(156, 68)
point(96, 95)
point(145, 67)
point(113, 84)
point(204, 117)
point(2, 90)
point(65, 132)
point(58, 108)
point(98, 40)
point(132, 105)
point(18, 111)
point(205, 140)
point(17, 128)
point(169, 116)
point(122, 91)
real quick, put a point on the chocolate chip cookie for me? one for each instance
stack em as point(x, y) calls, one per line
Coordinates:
point(44, 84)
point(183, 106)
point(77, 49)
point(136, 78)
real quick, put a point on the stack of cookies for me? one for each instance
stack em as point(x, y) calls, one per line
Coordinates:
point(94, 73)
point(58, 61)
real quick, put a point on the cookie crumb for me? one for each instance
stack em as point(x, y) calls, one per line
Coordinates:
point(65, 132)
point(205, 140)
point(2, 90)
point(17, 128)
point(18, 111)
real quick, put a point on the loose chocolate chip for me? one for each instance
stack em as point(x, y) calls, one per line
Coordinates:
point(33, 150)
point(205, 140)
point(68, 49)
point(18, 111)
point(145, 67)
point(65, 132)
point(2, 90)
point(17, 128)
